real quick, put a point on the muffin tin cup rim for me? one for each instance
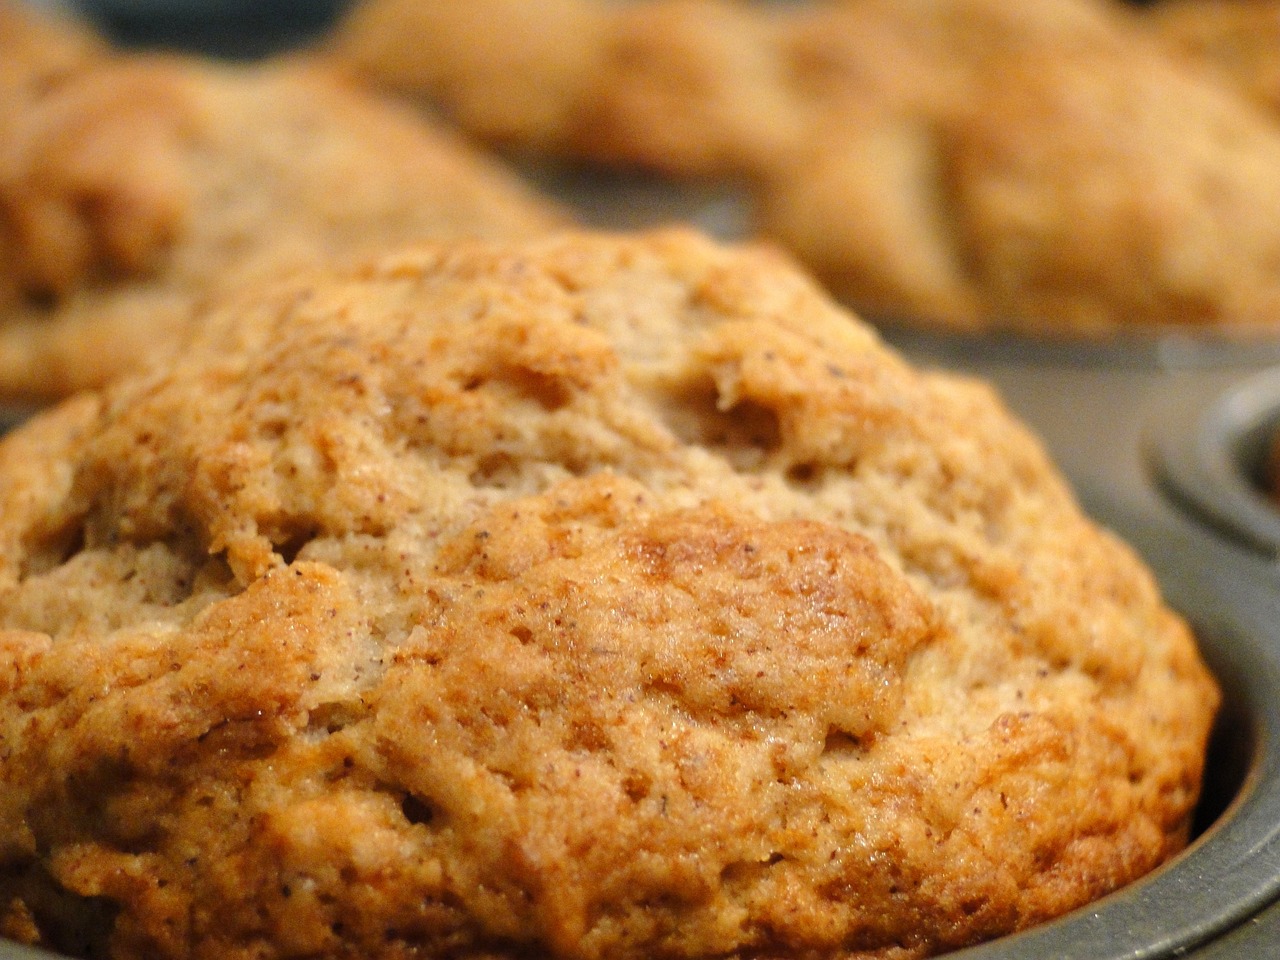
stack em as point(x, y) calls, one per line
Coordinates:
point(1198, 461)
point(1164, 348)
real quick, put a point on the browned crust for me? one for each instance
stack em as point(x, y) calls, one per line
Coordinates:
point(595, 597)
point(1239, 40)
point(971, 164)
point(134, 185)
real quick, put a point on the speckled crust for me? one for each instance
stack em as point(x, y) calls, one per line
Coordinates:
point(1035, 164)
point(1240, 40)
point(128, 190)
point(590, 598)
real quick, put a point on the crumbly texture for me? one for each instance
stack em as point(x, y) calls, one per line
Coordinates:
point(1042, 165)
point(596, 597)
point(1239, 40)
point(132, 187)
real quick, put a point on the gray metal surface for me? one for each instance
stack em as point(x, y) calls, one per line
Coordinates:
point(1214, 458)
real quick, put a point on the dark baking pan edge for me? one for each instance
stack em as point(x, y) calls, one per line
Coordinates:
point(1212, 458)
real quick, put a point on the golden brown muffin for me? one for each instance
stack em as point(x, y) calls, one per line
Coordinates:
point(595, 597)
point(1040, 165)
point(1240, 39)
point(35, 53)
point(40, 49)
point(129, 190)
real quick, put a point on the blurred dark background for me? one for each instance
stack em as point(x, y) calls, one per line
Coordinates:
point(224, 28)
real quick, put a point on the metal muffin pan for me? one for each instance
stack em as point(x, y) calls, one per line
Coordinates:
point(1214, 456)
point(1160, 438)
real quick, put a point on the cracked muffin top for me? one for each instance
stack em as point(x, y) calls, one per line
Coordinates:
point(592, 596)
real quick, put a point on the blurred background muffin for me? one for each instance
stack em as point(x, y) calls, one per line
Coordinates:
point(132, 183)
point(969, 164)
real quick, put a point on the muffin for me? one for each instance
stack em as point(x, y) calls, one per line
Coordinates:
point(1044, 166)
point(1240, 40)
point(591, 596)
point(132, 184)
point(40, 49)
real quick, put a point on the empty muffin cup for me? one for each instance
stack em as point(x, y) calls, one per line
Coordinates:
point(1216, 460)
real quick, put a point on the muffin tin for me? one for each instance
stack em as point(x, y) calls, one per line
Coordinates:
point(1214, 459)
point(1160, 435)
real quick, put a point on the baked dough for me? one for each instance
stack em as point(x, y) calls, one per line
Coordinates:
point(1240, 40)
point(133, 184)
point(592, 597)
point(1040, 165)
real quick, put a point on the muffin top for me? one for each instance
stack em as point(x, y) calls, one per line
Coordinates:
point(1045, 166)
point(591, 596)
point(132, 185)
point(1240, 41)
